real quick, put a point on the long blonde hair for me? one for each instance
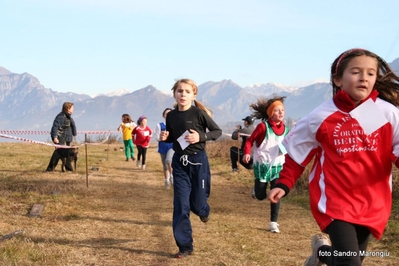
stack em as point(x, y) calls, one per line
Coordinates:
point(195, 91)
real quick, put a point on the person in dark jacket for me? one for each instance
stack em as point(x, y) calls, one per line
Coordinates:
point(64, 128)
point(63, 131)
point(235, 153)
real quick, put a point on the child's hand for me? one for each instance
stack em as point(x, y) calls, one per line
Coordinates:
point(193, 137)
point(246, 158)
point(276, 194)
point(164, 135)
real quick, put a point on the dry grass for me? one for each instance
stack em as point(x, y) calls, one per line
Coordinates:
point(124, 215)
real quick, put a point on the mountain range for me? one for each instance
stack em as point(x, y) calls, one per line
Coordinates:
point(25, 104)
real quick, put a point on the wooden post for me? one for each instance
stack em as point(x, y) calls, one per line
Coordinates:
point(238, 151)
point(87, 166)
point(108, 152)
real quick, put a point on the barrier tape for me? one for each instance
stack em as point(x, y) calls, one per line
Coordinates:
point(34, 141)
point(54, 145)
point(240, 134)
point(43, 132)
point(3, 134)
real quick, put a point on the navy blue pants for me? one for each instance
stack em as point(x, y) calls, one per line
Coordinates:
point(192, 187)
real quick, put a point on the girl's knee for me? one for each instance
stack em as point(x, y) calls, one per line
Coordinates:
point(260, 196)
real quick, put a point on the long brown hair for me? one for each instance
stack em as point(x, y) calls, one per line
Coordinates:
point(387, 83)
point(127, 118)
point(260, 107)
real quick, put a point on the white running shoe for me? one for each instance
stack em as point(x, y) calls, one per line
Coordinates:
point(138, 163)
point(171, 179)
point(143, 167)
point(166, 185)
point(274, 227)
point(318, 240)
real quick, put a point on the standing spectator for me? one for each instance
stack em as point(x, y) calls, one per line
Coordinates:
point(268, 156)
point(237, 154)
point(62, 132)
point(189, 127)
point(127, 127)
point(142, 135)
point(165, 150)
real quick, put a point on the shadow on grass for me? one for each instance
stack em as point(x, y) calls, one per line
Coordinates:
point(100, 243)
point(110, 220)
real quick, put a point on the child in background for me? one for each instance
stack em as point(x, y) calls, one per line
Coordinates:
point(236, 154)
point(165, 149)
point(126, 127)
point(189, 127)
point(268, 157)
point(354, 138)
point(142, 135)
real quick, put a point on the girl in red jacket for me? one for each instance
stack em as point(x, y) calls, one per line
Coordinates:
point(354, 139)
point(142, 135)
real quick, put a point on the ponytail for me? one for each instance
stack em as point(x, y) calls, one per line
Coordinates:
point(201, 106)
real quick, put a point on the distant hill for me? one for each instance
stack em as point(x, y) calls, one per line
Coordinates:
point(28, 105)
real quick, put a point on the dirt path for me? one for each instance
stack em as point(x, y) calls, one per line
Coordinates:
point(237, 233)
point(125, 216)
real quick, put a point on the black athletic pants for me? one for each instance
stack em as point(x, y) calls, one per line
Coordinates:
point(260, 194)
point(141, 154)
point(234, 154)
point(348, 242)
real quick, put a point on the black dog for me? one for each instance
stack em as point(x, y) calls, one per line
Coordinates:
point(66, 155)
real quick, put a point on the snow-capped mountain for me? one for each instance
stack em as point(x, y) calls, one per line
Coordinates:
point(119, 92)
point(28, 105)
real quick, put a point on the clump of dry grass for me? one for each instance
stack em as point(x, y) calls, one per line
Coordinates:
point(123, 216)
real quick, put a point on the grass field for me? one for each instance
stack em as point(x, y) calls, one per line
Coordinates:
point(121, 215)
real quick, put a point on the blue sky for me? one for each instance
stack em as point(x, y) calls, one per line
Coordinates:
point(98, 46)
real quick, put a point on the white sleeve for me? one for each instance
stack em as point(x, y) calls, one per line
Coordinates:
point(158, 132)
point(301, 140)
point(392, 115)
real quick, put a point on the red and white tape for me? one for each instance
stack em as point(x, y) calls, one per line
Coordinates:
point(34, 141)
point(50, 144)
point(43, 132)
point(241, 134)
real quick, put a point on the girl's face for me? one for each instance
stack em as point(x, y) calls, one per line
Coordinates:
point(184, 95)
point(359, 77)
point(144, 122)
point(278, 114)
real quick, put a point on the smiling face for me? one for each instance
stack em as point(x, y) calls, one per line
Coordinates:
point(184, 96)
point(359, 77)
